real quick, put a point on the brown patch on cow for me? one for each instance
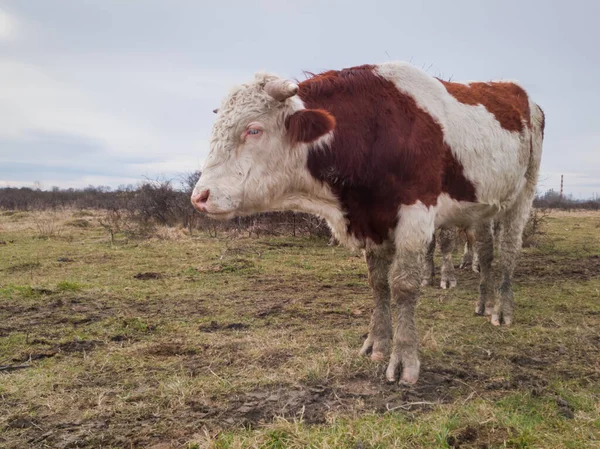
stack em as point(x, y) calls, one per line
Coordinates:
point(507, 101)
point(386, 150)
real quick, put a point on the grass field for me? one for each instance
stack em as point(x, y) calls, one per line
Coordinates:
point(252, 343)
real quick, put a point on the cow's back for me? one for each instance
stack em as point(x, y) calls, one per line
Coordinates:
point(487, 126)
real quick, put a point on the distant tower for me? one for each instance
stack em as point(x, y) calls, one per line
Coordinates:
point(561, 186)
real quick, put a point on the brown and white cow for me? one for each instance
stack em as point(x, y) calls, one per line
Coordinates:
point(385, 153)
point(446, 237)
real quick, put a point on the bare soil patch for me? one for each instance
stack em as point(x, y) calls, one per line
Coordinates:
point(148, 276)
point(543, 267)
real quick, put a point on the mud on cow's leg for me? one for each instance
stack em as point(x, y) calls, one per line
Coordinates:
point(428, 265)
point(414, 231)
point(485, 249)
point(379, 259)
point(447, 238)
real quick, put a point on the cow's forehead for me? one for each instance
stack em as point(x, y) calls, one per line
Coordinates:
point(245, 101)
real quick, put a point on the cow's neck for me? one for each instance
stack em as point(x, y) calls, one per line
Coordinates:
point(308, 195)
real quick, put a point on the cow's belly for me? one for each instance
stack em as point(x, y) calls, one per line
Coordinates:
point(450, 212)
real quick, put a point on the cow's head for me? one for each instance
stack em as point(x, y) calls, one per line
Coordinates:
point(258, 148)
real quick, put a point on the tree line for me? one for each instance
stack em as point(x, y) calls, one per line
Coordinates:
point(155, 202)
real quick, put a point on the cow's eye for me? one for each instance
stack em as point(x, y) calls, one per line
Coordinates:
point(253, 132)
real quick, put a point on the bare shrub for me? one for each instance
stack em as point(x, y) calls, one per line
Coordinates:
point(112, 222)
point(139, 211)
point(535, 228)
point(47, 224)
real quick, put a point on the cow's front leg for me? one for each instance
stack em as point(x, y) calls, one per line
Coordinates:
point(414, 231)
point(379, 258)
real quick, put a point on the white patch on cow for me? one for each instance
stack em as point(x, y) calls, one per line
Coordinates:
point(493, 159)
point(416, 225)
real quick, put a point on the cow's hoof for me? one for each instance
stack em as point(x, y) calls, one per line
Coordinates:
point(408, 381)
point(390, 372)
point(410, 375)
point(366, 348)
point(500, 320)
point(426, 282)
point(377, 356)
point(448, 283)
point(375, 348)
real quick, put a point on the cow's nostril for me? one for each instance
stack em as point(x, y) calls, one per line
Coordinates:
point(199, 200)
point(203, 197)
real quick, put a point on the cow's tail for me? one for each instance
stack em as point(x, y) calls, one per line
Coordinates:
point(538, 123)
point(521, 208)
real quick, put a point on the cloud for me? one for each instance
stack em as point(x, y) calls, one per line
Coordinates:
point(108, 90)
point(133, 119)
point(8, 26)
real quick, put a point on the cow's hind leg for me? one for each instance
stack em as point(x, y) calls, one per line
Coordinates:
point(379, 258)
point(513, 222)
point(484, 245)
point(510, 240)
point(470, 257)
point(428, 264)
point(414, 231)
point(447, 237)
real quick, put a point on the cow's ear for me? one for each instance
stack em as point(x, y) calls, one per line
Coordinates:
point(307, 125)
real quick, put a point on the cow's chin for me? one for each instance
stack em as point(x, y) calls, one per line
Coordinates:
point(221, 215)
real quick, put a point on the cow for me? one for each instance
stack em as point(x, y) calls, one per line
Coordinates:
point(447, 238)
point(385, 153)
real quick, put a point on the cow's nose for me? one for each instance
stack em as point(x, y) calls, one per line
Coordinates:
point(199, 200)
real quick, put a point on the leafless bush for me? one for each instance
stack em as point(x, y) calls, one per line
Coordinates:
point(112, 222)
point(137, 211)
point(535, 228)
point(47, 224)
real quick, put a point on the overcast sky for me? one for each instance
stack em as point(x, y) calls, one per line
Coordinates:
point(105, 92)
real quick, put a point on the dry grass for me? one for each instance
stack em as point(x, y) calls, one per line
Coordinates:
point(182, 341)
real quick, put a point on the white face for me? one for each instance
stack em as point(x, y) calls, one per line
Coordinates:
point(252, 163)
point(247, 150)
